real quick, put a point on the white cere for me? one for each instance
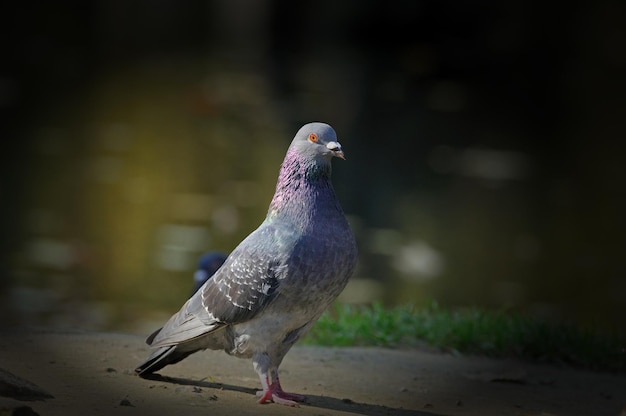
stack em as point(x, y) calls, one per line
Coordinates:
point(333, 146)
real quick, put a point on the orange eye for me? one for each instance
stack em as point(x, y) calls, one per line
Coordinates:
point(313, 138)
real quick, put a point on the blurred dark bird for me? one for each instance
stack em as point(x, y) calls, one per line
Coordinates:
point(278, 281)
point(208, 264)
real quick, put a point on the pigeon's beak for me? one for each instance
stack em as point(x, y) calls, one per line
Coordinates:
point(336, 149)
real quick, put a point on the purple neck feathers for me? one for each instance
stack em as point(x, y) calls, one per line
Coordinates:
point(303, 190)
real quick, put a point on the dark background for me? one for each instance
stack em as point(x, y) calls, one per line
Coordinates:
point(484, 143)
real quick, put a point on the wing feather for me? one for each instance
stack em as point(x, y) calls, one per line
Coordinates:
point(247, 282)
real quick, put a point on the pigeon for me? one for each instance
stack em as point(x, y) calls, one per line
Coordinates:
point(208, 264)
point(278, 281)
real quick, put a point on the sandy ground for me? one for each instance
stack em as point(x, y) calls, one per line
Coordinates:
point(91, 374)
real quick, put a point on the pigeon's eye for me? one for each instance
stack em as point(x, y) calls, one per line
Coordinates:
point(313, 138)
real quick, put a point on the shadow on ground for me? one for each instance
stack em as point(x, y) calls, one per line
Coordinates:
point(322, 402)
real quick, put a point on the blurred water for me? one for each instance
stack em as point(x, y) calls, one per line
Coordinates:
point(487, 183)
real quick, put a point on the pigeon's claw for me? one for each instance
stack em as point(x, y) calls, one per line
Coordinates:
point(274, 393)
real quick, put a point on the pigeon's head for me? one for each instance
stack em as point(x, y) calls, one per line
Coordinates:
point(317, 141)
point(208, 264)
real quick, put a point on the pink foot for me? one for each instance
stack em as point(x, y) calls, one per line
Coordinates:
point(276, 394)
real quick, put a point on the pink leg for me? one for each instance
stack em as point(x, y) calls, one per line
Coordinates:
point(274, 392)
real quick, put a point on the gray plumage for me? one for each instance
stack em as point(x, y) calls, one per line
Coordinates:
point(279, 280)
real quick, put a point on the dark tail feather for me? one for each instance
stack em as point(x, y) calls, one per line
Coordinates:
point(160, 358)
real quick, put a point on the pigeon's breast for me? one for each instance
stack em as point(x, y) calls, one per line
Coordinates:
point(321, 253)
point(322, 261)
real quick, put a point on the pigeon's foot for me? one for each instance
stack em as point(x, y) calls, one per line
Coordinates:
point(274, 393)
point(284, 398)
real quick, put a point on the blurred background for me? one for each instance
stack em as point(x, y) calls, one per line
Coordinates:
point(484, 144)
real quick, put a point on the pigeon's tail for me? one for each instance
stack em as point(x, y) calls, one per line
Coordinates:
point(160, 358)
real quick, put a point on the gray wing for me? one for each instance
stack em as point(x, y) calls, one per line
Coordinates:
point(247, 282)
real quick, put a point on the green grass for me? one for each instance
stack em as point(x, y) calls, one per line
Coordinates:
point(468, 331)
